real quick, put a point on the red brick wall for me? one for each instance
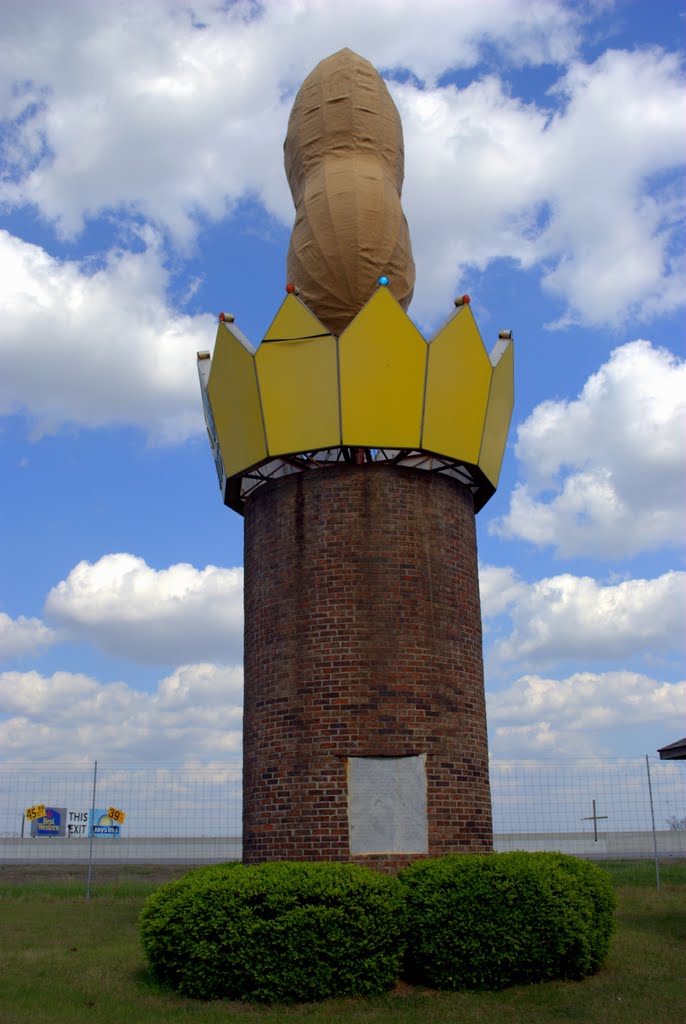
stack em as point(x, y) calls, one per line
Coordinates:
point(362, 638)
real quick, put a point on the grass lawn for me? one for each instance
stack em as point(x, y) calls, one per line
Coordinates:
point(62, 959)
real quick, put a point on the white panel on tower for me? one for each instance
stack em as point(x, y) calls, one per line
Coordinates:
point(387, 805)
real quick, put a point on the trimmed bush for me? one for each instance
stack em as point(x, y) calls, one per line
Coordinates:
point(485, 922)
point(278, 932)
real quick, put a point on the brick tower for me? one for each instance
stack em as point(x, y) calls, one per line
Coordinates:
point(359, 462)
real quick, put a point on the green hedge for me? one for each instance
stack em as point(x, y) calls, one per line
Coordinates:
point(485, 922)
point(279, 932)
point(285, 932)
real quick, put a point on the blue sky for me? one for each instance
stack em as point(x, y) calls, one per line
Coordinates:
point(142, 191)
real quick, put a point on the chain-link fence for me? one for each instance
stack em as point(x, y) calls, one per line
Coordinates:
point(172, 813)
point(630, 807)
point(192, 815)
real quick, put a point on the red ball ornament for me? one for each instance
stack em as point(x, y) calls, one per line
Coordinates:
point(290, 288)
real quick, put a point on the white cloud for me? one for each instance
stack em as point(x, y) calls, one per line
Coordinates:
point(588, 700)
point(611, 226)
point(166, 616)
point(575, 617)
point(97, 347)
point(195, 714)
point(23, 636)
point(172, 129)
point(538, 740)
point(499, 588)
point(474, 182)
point(572, 191)
point(604, 473)
point(582, 715)
point(572, 187)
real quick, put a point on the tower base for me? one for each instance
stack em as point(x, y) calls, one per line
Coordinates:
point(365, 723)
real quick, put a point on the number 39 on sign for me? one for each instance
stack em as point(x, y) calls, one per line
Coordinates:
point(35, 812)
point(116, 815)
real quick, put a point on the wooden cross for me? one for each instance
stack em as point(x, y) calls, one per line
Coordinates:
point(595, 818)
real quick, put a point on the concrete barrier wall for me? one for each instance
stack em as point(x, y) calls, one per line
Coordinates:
point(189, 850)
point(209, 850)
point(608, 845)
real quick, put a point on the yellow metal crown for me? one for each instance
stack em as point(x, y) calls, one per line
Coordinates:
point(306, 399)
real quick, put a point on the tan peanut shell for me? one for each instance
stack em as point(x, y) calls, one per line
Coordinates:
point(344, 160)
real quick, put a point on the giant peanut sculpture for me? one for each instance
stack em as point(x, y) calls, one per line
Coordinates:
point(344, 161)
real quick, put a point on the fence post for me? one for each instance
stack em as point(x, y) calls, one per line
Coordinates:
point(91, 816)
point(652, 817)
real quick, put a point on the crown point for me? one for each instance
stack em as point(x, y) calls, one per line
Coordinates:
point(462, 300)
point(383, 281)
point(227, 318)
point(291, 289)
